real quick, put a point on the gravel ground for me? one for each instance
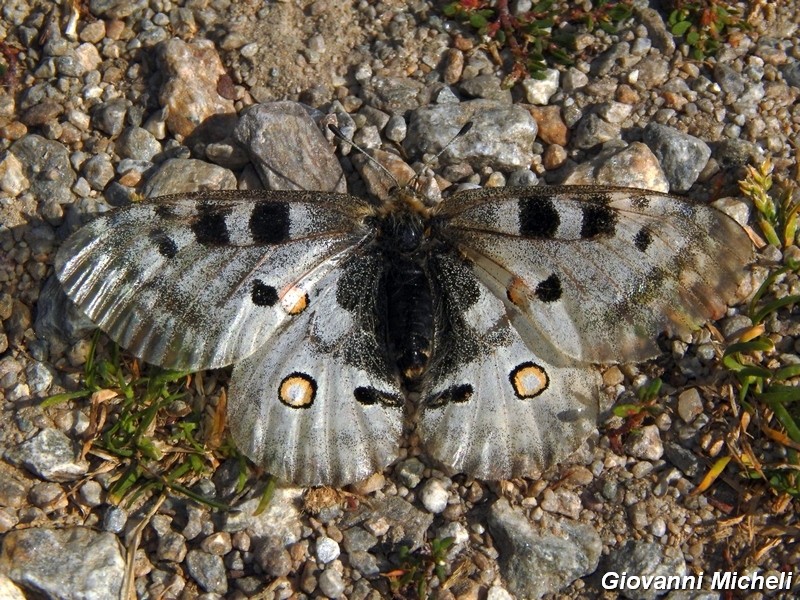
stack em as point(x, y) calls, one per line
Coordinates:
point(141, 98)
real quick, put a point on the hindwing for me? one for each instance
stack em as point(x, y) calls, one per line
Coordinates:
point(493, 407)
point(319, 403)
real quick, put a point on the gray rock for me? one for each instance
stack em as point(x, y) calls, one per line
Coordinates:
point(47, 167)
point(535, 563)
point(394, 95)
point(410, 472)
point(434, 496)
point(51, 455)
point(729, 79)
point(489, 87)
point(98, 171)
point(645, 559)
point(13, 492)
point(114, 519)
point(326, 550)
point(181, 175)
point(364, 562)
point(331, 584)
point(137, 143)
point(690, 404)
point(227, 153)
point(75, 562)
point(110, 116)
point(357, 539)
point(69, 66)
point(791, 73)
point(288, 149)
point(208, 571)
point(280, 520)
point(656, 29)
point(171, 547)
point(375, 117)
point(91, 493)
point(522, 178)
point(407, 524)
point(746, 103)
point(682, 156)
point(116, 9)
point(684, 459)
point(396, 129)
point(539, 91)
point(57, 316)
point(627, 166)
point(573, 79)
point(273, 558)
point(40, 377)
point(645, 443)
point(501, 137)
point(593, 130)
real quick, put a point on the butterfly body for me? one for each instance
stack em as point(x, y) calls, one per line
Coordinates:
point(486, 309)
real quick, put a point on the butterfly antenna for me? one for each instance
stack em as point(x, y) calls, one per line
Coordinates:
point(426, 165)
point(338, 133)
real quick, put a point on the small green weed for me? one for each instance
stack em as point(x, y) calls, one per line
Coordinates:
point(635, 413)
point(535, 38)
point(703, 24)
point(777, 219)
point(769, 393)
point(140, 422)
point(416, 569)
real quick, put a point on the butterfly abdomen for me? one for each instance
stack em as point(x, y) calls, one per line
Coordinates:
point(409, 316)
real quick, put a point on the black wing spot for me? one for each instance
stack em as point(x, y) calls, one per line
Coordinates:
point(643, 239)
point(369, 396)
point(269, 222)
point(210, 228)
point(598, 220)
point(538, 218)
point(263, 294)
point(165, 245)
point(455, 393)
point(549, 290)
point(164, 211)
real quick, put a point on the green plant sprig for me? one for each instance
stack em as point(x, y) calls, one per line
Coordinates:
point(535, 38)
point(703, 24)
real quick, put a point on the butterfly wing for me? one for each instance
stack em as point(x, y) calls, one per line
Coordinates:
point(318, 404)
point(597, 272)
point(492, 407)
point(201, 280)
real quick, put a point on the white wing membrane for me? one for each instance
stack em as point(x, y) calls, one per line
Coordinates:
point(306, 410)
point(199, 281)
point(494, 407)
point(600, 271)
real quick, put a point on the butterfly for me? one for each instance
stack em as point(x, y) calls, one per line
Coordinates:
point(481, 315)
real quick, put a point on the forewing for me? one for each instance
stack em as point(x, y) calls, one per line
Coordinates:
point(319, 404)
point(492, 407)
point(600, 271)
point(198, 281)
